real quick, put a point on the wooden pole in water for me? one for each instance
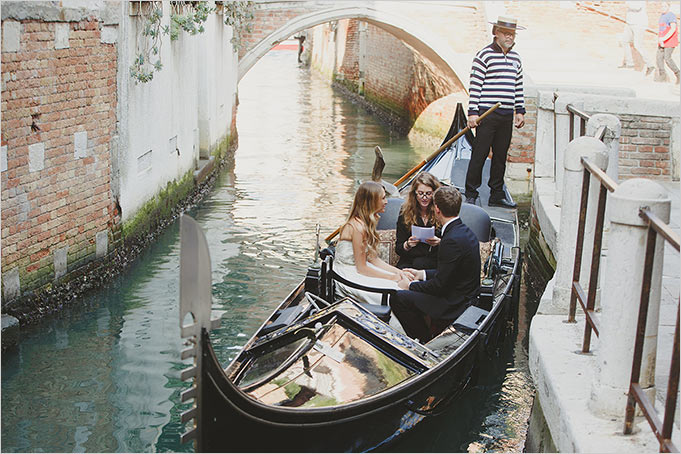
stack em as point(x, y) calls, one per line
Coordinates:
point(429, 158)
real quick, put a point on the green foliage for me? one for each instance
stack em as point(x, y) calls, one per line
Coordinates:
point(189, 18)
point(238, 15)
point(159, 207)
point(186, 16)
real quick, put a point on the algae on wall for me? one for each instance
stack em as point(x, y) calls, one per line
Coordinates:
point(160, 207)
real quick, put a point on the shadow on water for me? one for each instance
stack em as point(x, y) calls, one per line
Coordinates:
point(104, 376)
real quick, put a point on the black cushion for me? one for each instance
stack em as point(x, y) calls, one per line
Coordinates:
point(477, 220)
point(379, 310)
point(470, 320)
point(388, 220)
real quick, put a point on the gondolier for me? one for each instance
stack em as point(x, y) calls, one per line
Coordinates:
point(496, 76)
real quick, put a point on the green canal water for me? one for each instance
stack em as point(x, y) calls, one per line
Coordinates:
point(104, 377)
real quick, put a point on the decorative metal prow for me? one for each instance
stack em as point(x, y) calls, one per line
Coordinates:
point(195, 299)
point(317, 245)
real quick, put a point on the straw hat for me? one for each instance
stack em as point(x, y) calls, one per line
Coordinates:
point(509, 23)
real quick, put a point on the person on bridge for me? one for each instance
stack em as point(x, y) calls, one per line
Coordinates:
point(301, 48)
point(668, 39)
point(634, 32)
point(496, 76)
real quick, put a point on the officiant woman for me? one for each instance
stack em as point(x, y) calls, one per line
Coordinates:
point(418, 210)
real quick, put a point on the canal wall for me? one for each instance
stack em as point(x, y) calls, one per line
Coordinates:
point(384, 71)
point(93, 160)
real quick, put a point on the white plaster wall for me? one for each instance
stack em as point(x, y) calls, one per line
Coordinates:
point(217, 84)
point(324, 49)
point(195, 91)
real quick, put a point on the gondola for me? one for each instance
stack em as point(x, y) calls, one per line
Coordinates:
point(324, 373)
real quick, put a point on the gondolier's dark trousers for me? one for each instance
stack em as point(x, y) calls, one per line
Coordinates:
point(495, 132)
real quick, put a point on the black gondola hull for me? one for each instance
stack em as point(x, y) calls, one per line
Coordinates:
point(232, 422)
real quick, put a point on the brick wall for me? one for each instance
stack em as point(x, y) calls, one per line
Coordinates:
point(396, 78)
point(58, 120)
point(349, 61)
point(389, 72)
point(524, 139)
point(266, 21)
point(644, 147)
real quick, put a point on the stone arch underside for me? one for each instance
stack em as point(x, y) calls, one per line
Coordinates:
point(432, 47)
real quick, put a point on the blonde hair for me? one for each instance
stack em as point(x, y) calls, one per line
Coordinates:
point(410, 208)
point(365, 207)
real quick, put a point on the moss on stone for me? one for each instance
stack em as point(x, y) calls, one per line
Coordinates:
point(351, 85)
point(220, 150)
point(431, 125)
point(158, 207)
point(387, 104)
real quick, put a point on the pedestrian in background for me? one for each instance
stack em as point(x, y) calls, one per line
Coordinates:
point(496, 76)
point(634, 31)
point(668, 39)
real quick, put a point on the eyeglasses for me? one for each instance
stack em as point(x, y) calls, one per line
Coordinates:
point(426, 194)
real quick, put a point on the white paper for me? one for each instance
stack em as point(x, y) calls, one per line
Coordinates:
point(422, 233)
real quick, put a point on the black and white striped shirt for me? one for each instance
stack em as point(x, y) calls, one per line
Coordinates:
point(496, 77)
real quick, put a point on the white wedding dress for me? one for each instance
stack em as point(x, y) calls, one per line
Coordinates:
point(344, 265)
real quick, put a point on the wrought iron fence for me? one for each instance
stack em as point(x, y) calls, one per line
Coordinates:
point(661, 429)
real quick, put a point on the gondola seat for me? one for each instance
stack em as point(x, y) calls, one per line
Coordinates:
point(473, 216)
point(330, 278)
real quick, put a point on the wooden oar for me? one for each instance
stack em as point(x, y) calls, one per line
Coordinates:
point(429, 158)
point(443, 147)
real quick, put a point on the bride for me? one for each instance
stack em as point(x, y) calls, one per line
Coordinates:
point(357, 258)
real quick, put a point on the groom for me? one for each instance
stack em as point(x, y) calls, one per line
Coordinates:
point(443, 293)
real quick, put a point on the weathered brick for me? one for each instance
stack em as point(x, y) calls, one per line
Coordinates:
point(56, 85)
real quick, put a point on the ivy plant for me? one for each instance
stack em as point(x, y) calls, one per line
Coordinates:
point(238, 15)
point(185, 16)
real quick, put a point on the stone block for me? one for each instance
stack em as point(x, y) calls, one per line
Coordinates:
point(80, 144)
point(11, 33)
point(10, 331)
point(109, 34)
point(36, 157)
point(60, 262)
point(11, 284)
point(3, 158)
point(102, 241)
point(61, 35)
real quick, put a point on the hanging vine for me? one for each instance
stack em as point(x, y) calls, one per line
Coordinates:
point(185, 16)
point(238, 15)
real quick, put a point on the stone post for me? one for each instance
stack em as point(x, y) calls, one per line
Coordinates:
point(562, 131)
point(611, 139)
point(622, 281)
point(596, 151)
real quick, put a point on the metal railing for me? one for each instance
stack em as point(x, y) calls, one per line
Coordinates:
point(662, 430)
point(587, 300)
point(583, 119)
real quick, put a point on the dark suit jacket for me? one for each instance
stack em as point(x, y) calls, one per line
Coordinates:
point(422, 256)
point(456, 281)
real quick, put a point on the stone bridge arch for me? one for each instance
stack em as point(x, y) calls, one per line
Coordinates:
point(428, 44)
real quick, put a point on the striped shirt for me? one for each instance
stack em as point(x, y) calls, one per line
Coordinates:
point(496, 77)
